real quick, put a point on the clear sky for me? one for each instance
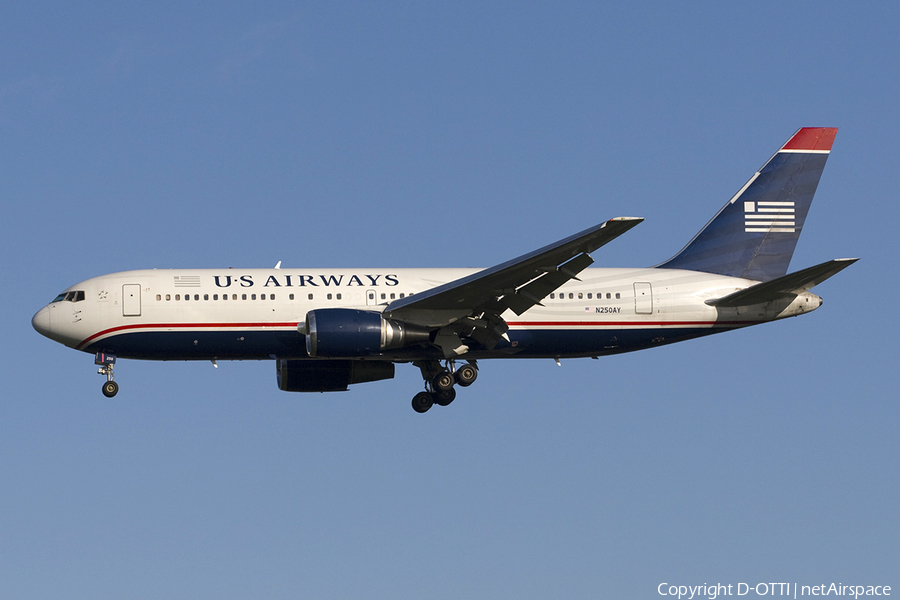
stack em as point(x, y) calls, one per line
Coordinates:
point(382, 134)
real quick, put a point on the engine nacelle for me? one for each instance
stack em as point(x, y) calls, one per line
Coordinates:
point(345, 332)
point(329, 375)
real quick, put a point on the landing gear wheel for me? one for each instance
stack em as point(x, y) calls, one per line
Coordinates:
point(443, 381)
point(422, 401)
point(110, 389)
point(445, 398)
point(466, 375)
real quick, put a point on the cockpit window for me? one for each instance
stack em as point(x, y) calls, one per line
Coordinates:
point(73, 296)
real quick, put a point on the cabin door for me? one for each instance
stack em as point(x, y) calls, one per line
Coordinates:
point(643, 298)
point(131, 300)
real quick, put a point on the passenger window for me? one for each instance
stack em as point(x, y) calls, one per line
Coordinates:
point(618, 295)
point(234, 296)
point(371, 295)
point(552, 296)
point(177, 297)
point(402, 294)
point(243, 296)
point(392, 296)
point(206, 296)
point(168, 297)
point(253, 296)
point(338, 296)
point(215, 296)
point(310, 296)
point(608, 296)
point(589, 295)
point(196, 296)
point(291, 296)
point(271, 296)
point(328, 296)
point(571, 295)
point(224, 296)
point(158, 297)
point(262, 296)
point(383, 296)
point(580, 296)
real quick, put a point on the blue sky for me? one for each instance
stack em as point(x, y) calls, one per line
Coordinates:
point(460, 134)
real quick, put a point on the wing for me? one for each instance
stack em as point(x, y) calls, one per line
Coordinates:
point(472, 305)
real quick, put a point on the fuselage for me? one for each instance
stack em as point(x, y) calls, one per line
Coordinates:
point(235, 314)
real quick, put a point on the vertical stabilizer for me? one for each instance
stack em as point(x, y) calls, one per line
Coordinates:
point(755, 234)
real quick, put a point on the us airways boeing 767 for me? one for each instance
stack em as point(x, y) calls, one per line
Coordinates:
point(328, 329)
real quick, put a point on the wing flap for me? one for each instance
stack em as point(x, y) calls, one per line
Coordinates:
point(790, 284)
point(532, 293)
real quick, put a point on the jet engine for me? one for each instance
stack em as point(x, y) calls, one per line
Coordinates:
point(329, 375)
point(346, 333)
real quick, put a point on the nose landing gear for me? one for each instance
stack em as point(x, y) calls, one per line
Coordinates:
point(107, 362)
point(110, 389)
point(439, 382)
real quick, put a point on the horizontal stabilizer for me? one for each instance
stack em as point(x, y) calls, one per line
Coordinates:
point(791, 284)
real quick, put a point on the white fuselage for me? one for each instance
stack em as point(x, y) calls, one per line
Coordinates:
point(187, 314)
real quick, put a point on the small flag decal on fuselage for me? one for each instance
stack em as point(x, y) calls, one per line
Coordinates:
point(187, 281)
point(766, 217)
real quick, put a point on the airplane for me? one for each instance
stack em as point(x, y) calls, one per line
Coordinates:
point(327, 329)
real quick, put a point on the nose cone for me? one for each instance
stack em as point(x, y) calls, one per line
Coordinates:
point(41, 321)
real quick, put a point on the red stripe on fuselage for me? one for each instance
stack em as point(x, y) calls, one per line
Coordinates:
point(183, 326)
point(561, 324)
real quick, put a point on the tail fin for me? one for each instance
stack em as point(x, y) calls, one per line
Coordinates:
point(755, 234)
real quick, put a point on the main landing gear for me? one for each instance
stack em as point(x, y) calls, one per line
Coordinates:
point(439, 382)
point(107, 362)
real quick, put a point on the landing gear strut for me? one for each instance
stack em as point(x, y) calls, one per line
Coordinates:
point(439, 382)
point(107, 362)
